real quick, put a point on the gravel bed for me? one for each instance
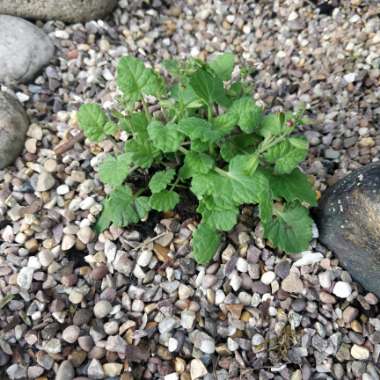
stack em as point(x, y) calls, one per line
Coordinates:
point(132, 304)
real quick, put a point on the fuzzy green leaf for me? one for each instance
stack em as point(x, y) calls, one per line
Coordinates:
point(114, 170)
point(226, 122)
point(142, 152)
point(161, 180)
point(244, 163)
point(135, 80)
point(164, 200)
point(142, 207)
point(241, 144)
point(287, 154)
point(294, 186)
point(223, 65)
point(165, 137)
point(196, 162)
point(198, 129)
point(205, 242)
point(290, 230)
point(248, 112)
point(92, 121)
point(209, 88)
point(118, 209)
point(218, 215)
point(274, 124)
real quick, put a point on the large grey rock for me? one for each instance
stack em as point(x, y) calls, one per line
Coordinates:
point(348, 218)
point(13, 127)
point(24, 49)
point(65, 10)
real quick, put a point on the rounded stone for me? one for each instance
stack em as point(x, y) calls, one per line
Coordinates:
point(13, 126)
point(70, 334)
point(68, 10)
point(24, 48)
point(348, 220)
point(102, 309)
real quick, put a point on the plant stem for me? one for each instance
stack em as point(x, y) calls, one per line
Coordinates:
point(183, 150)
point(145, 106)
point(209, 112)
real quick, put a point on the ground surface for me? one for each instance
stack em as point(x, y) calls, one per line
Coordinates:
point(175, 317)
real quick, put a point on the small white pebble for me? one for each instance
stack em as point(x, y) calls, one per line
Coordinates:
point(268, 277)
point(342, 289)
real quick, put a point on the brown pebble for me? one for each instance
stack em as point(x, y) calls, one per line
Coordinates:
point(99, 272)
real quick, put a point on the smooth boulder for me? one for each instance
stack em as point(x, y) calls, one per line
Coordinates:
point(348, 218)
point(64, 10)
point(24, 49)
point(13, 127)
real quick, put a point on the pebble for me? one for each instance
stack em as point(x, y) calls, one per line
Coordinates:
point(197, 369)
point(349, 314)
point(167, 325)
point(95, 370)
point(292, 283)
point(112, 369)
point(25, 277)
point(342, 289)
point(145, 258)
point(359, 352)
point(65, 371)
point(70, 334)
point(45, 182)
point(102, 309)
point(268, 277)
point(204, 342)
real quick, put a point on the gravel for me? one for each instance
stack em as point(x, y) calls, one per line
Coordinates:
point(132, 302)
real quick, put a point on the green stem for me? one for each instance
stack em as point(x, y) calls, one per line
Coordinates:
point(183, 150)
point(174, 184)
point(140, 192)
point(209, 112)
point(145, 106)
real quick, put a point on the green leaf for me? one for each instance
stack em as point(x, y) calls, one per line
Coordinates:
point(114, 170)
point(142, 207)
point(164, 200)
point(226, 122)
point(187, 96)
point(92, 121)
point(205, 242)
point(142, 153)
point(161, 180)
point(110, 128)
point(274, 124)
point(196, 162)
point(248, 112)
point(244, 163)
point(198, 129)
point(241, 144)
point(294, 186)
point(118, 209)
point(287, 154)
point(241, 188)
point(209, 88)
point(135, 80)
point(166, 138)
point(138, 124)
point(223, 65)
point(202, 184)
point(218, 215)
point(290, 230)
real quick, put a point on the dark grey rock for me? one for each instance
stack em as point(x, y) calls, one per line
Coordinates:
point(67, 10)
point(13, 126)
point(348, 219)
point(24, 49)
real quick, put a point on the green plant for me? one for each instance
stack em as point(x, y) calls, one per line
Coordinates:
point(211, 138)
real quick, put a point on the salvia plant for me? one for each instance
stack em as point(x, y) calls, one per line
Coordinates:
point(210, 138)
